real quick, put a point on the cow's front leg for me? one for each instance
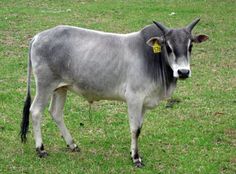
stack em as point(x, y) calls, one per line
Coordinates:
point(135, 111)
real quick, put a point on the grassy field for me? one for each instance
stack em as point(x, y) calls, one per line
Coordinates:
point(197, 135)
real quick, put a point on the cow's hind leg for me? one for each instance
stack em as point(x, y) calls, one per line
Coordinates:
point(56, 110)
point(40, 101)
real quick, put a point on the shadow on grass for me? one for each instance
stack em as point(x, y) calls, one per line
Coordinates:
point(171, 102)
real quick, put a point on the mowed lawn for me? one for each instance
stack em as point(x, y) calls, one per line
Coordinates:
point(196, 135)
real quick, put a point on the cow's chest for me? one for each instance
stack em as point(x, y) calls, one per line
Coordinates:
point(153, 98)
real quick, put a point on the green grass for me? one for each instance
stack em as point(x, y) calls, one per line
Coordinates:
point(197, 135)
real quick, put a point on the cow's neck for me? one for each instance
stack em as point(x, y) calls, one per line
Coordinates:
point(156, 67)
point(170, 81)
point(165, 73)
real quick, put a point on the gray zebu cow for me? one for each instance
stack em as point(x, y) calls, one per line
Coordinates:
point(99, 65)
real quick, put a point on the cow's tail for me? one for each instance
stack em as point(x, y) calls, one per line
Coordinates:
point(26, 109)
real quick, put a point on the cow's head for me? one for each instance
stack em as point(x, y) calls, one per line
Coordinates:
point(177, 45)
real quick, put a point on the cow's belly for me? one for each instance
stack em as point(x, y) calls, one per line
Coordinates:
point(96, 95)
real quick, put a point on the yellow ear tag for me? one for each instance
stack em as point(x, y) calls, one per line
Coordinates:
point(156, 47)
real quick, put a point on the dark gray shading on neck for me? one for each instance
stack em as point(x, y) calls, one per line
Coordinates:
point(156, 65)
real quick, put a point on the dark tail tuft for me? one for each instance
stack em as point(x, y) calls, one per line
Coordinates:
point(26, 110)
point(25, 119)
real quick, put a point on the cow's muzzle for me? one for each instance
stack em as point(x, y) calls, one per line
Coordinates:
point(183, 73)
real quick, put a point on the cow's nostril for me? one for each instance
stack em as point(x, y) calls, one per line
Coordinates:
point(183, 73)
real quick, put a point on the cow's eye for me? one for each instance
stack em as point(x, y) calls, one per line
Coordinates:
point(168, 49)
point(190, 48)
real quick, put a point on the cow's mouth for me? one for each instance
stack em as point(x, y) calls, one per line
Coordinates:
point(183, 78)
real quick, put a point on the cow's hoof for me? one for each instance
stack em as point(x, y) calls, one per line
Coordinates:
point(138, 164)
point(42, 153)
point(74, 148)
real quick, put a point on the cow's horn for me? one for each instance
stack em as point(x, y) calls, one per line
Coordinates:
point(161, 27)
point(192, 25)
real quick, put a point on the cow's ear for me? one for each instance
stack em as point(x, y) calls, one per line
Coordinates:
point(154, 40)
point(200, 38)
